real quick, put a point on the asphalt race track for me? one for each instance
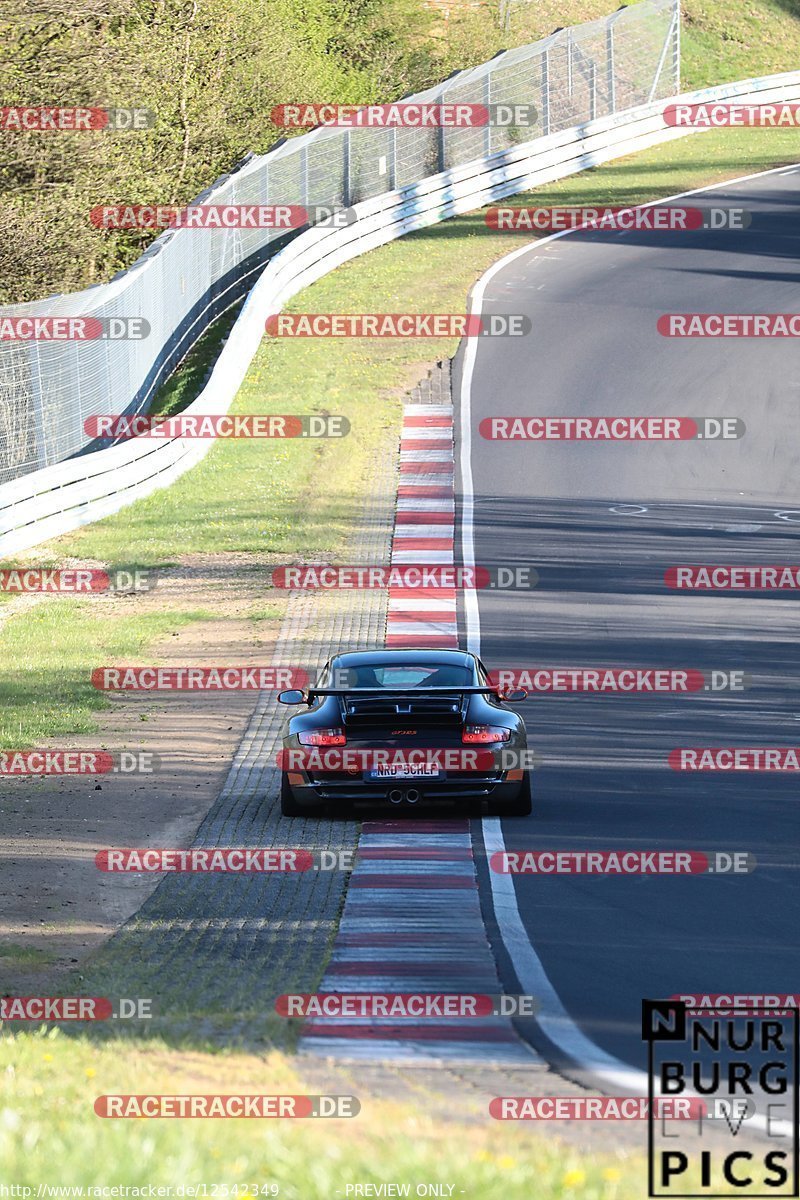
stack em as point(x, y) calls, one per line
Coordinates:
point(594, 298)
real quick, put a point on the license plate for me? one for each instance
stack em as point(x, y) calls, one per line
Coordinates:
point(406, 771)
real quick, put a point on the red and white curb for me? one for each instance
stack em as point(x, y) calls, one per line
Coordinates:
point(412, 919)
point(424, 528)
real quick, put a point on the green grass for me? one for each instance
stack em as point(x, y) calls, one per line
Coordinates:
point(720, 41)
point(266, 612)
point(185, 383)
point(54, 1079)
point(22, 956)
point(48, 654)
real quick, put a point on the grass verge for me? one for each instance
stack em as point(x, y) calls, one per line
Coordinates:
point(53, 1080)
point(48, 653)
point(720, 42)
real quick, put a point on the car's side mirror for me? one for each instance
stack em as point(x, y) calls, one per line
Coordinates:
point(293, 696)
point(514, 695)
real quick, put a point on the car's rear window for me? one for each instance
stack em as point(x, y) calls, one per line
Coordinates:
point(400, 677)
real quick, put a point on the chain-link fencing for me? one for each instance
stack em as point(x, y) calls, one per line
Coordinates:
point(188, 277)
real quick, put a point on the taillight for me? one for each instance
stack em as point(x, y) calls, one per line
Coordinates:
point(322, 737)
point(482, 735)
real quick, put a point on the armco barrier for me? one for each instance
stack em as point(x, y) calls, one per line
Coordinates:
point(73, 493)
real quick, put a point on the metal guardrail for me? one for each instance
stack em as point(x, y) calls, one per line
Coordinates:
point(83, 489)
point(187, 277)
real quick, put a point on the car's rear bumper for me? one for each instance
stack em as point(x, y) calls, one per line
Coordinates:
point(394, 793)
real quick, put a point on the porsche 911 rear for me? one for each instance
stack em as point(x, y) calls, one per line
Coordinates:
point(404, 728)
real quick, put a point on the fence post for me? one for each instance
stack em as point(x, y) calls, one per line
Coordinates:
point(487, 99)
point(304, 176)
point(546, 92)
point(592, 90)
point(346, 171)
point(37, 397)
point(610, 74)
point(441, 145)
point(673, 39)
point(569, 63)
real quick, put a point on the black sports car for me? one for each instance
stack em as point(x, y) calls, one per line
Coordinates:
point(404, 728)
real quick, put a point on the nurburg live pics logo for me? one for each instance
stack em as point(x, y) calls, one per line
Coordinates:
point(743, 1062)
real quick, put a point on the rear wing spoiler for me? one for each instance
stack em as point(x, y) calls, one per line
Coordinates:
point(392, 694)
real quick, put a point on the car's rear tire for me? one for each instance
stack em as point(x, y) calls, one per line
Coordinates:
point(289, 806)
point(522, 806)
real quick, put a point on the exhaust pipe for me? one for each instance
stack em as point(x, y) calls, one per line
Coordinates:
point(412, 795)
point(395, 796)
